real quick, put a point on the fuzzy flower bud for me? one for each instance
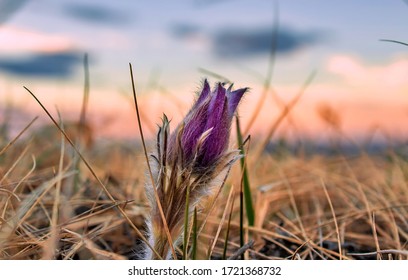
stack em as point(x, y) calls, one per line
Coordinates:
point(204, 132)
point(186, 164)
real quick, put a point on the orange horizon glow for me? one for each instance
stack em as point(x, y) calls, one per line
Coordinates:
point(361, 109)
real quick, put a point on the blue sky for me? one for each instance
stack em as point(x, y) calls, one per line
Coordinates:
point(147, 33)
point(168, 41)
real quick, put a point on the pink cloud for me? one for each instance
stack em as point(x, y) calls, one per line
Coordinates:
point(17, 40)
point(392, 75)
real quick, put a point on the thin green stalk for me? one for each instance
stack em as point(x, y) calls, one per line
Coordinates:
point(245, 180)
point(241, 219)
point(195, 234)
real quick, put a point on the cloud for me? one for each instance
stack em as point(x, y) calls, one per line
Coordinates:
point(205, 3)
point(357, 73)
point(184, 30)
point(9, 7)
point(60, 64)
point(95, 14)
point(17, 40)
point(235, 43)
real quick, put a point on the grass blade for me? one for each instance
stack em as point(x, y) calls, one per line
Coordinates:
point(270, 70)
point(17, 137)
point(326, 193)
point(195, 234)
point(245, 180)
point(82, 118)
point(224, 253)
point(156, 195)
point(394, 41)
point(241, 219)
point(211, 249)
point(82, 122)
point(284, 113)
point(101, 184)
point(186, 214)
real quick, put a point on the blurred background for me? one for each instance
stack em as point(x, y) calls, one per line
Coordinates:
point(324, 58)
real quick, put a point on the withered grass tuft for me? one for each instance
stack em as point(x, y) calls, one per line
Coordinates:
point(315, 207)
point(66, 195)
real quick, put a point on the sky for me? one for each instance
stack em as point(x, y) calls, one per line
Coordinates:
point(174, 45)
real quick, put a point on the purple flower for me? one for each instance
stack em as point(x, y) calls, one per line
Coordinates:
point(203, 135)
point(187, 163)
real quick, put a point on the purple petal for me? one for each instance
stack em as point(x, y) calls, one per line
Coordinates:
point(233, 100)
point(217, 103)
point(217, 141)
point(194, 127)
point(205, 93)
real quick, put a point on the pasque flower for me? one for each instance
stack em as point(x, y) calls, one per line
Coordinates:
point(186, 165)
point(204, 132)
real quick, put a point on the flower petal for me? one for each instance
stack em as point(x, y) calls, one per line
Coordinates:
point(216, 107)
point(233, 100)
point(194, 126)
point(205, 93)
point(216, 143)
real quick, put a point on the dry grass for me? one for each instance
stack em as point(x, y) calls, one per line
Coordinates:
point(314, 207)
